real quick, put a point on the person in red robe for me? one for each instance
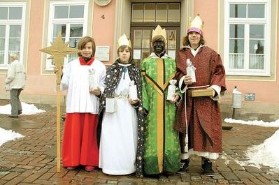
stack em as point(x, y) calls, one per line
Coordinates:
point(199, 118)
point(83, 78)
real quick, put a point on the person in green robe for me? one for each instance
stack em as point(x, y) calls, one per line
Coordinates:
point(162, 150)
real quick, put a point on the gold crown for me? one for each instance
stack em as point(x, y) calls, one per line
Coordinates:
point(124, 41)
point(159, 32)
point(196, 25)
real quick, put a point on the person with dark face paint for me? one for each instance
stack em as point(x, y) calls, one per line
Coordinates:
point(162, 152)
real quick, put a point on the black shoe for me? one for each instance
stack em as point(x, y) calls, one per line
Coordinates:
point(63, 117)
point(207, 168)
point(184, 164)
point(19, 112)
point(11, 116)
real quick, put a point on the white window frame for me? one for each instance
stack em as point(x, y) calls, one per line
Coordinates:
point(49, 63)
point(9, 23)
point(247, 21)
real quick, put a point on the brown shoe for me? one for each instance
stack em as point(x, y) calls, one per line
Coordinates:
point(11, 116)
point(71, 167)
point(89, 168)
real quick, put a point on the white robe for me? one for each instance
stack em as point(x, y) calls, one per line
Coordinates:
point(76, 81)
point(119, 134)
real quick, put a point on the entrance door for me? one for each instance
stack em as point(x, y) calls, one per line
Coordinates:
point(145, 18)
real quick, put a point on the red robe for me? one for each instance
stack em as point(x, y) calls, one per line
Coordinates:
point(203, 113)
point(79, 145)
point(80, 140)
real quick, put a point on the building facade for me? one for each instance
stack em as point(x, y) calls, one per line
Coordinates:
point(244, 32)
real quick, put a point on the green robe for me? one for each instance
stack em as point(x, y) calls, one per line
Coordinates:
point(162, 150)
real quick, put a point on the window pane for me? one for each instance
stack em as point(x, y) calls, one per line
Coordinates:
point(15, 31)
point(256, 54)
point(236, 46)
point(61, 12)
point(1, 56)
point(76, 11)
point(256, 46)
point(236, 56)
point(238, 10)
point(149, 12)
point(137, 13)
point(174, 12)
point(256, 11)
point(145, 53)
point(59, 28)
point(73, 42)
point(14, 45)
point(256, 61)
point(3, 13)
point(257, 31)
point(2, 43)
point(171, 39)
point(2, 30)
point(236, 61)
point(237, 31)
point(137, 38)
point(76, 30)
point(146, 39)
point(14, 40)
point(161, 12)
point(15, 13)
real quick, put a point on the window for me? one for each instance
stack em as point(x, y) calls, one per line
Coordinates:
point(145, 18)
point(247, 26)
point(12, 22)
point(69, 19)
point(156, 12)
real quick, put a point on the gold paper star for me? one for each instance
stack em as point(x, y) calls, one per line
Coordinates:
point(58, 50)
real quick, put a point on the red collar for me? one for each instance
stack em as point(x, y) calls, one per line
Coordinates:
point(83, 62)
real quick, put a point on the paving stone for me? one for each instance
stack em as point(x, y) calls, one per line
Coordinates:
point(230, 176)
point(256, 181)
point(263, 179)
point(127, 183)
point(183, 183)
point(10, 176)
point(15, 180)
point(252, 169)
point(185, 177)
point(243, 175)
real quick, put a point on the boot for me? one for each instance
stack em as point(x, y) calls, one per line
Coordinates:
point(184, 164)
point(207, 167)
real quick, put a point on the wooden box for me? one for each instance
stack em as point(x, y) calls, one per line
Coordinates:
point(201, 92)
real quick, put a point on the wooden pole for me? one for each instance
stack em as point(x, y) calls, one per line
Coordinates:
point(58, 130)
point(58, 50)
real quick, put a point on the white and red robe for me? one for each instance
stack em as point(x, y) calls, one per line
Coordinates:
point(80, 145)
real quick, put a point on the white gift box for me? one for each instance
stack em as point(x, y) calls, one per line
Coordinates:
point(133, 91)
point(92, 79)
point(110, 105)
point(191, 70)
point(171, 90)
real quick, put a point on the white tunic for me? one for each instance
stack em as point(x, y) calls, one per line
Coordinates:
point(76, 81)
point(119, 134)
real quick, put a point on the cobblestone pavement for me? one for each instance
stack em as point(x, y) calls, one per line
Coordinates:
point(32, 159)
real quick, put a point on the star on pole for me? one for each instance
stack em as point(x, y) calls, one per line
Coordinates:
point(58, 51)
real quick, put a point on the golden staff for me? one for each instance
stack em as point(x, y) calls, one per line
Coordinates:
point(58, 51)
